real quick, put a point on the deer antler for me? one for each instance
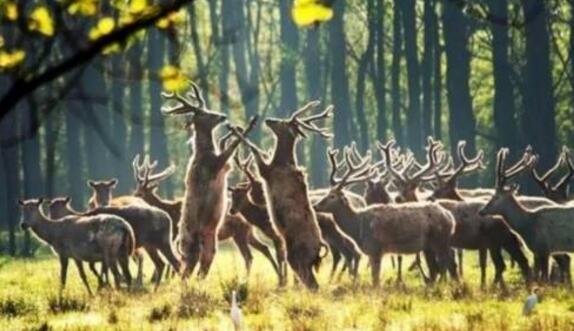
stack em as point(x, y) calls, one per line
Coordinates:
point(502, 174)
point(307, 123)
point(355, 172)
point(184, 105)
point(465, 166)
point(565, 181)
point(387, 155)
point(543, 181)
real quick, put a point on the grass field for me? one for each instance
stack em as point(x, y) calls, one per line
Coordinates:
point(29, 300)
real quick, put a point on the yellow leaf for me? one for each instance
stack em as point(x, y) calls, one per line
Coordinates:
point(11, 59)
point(173, 80)
point(83, 7)
point(10, 11)
point(309, 12)
point(137, 6)
point(113, 48)
point(41, 21)
point(1, 41)
point(103, 27)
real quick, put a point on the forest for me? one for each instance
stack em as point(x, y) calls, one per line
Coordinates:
point(491, 72)
point(259, 164)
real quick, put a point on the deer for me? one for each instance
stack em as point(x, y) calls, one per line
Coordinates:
point(378, 229)
point(233, 227)
point(545, 230)
point(101, 238)
point(204, 203)
point(558, 192)
point(151, 227)
point(286, 191)
point(101, 192)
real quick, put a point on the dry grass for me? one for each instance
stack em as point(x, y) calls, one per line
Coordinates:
point(29, 300)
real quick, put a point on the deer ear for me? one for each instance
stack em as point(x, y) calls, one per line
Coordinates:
point(113, 183)
point(40, 200)
point(67, 199)
point(514, 188)
point(20, 202)
point(91, 183)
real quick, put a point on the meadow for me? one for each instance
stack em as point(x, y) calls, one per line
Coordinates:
point(30, 300)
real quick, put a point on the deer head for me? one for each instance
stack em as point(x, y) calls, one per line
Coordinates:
point(102, 191)
point(559, 191)
point(354, 173)
point(447, 177)
point(31, 212)
point(504, 192)
point(146, 181)
point(239, 197)
point(256, 193)
point(59, 207)
point(407, 183)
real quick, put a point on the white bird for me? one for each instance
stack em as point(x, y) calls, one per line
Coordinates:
point(530, 303)
point(235, 312)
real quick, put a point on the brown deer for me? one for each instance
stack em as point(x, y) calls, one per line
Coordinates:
point(101, 238)
point(233, 227)
point(151, 227)
point(558, 192)
point(287, 193)
point(545, 230)
point(101, 192)
point(204, 202)
point(407, 228)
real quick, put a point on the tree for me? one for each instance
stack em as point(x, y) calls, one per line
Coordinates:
point(378, 71)
point(396, 74)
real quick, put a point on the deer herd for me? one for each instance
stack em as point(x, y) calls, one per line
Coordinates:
point(406, 208)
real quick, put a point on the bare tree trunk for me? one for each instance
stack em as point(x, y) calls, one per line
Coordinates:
point(74, 156)
point(408, 15)
point(222, 40)
point(396, 74)
point(339, 81)
point(364, 62)
point(427, 67)
point(378, 72)
point(31, 160)
point(313, 83)
point(504, 111)
point(8, 131)
point(438, 84)
point(116, 81)
point(461, 120)
point(52, 126)
point(198, 52)
point(538, 120)
point(137, 114)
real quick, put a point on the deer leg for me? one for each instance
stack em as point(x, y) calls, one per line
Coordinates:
point(190, 249)
point(336, 258)
point(124, 263)
point(63, 272)
point(83, 275)
point(399, 269)
point(243, 247)
point(280, 254)
point(208, 250)
point(99, 275)
point(138, 258)
point(499, 266)
point(166, 249)
point(482, 262)
point(460, 262)
point(393, 264)
point(263, 249)
point(563, 261)
point(543, 266)
point(516, 254)
point(432, 264)
point(375, 261)
point(158, 264)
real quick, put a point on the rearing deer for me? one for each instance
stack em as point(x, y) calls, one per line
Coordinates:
point(287, 193)
point(204, 202)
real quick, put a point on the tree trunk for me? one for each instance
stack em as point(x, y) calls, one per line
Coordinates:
point(396, 74)
point(198, 52)
point(461, 118)
point(378, 71)
point(313, 82)
point(52, 125)
point(158, 140)
point(437, 69)
point(137, 114)
point(8, 131)
point(74, 155)
point(339, 81)
point(122, 161)
point(504, 111)
point(31, 160)
point(222, 40)
point(427, 68)
point(408, 15)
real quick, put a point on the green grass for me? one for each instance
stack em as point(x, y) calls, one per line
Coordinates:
point(29, 300)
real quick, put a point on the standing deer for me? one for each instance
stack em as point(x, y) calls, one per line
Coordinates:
point(101, 192)
point(204, 202)
point(407, 228)
point(233, 226)
point(287, 193)
point(545, 230)
point(103, 238)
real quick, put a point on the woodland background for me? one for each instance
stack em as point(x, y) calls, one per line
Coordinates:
point(492, 72)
